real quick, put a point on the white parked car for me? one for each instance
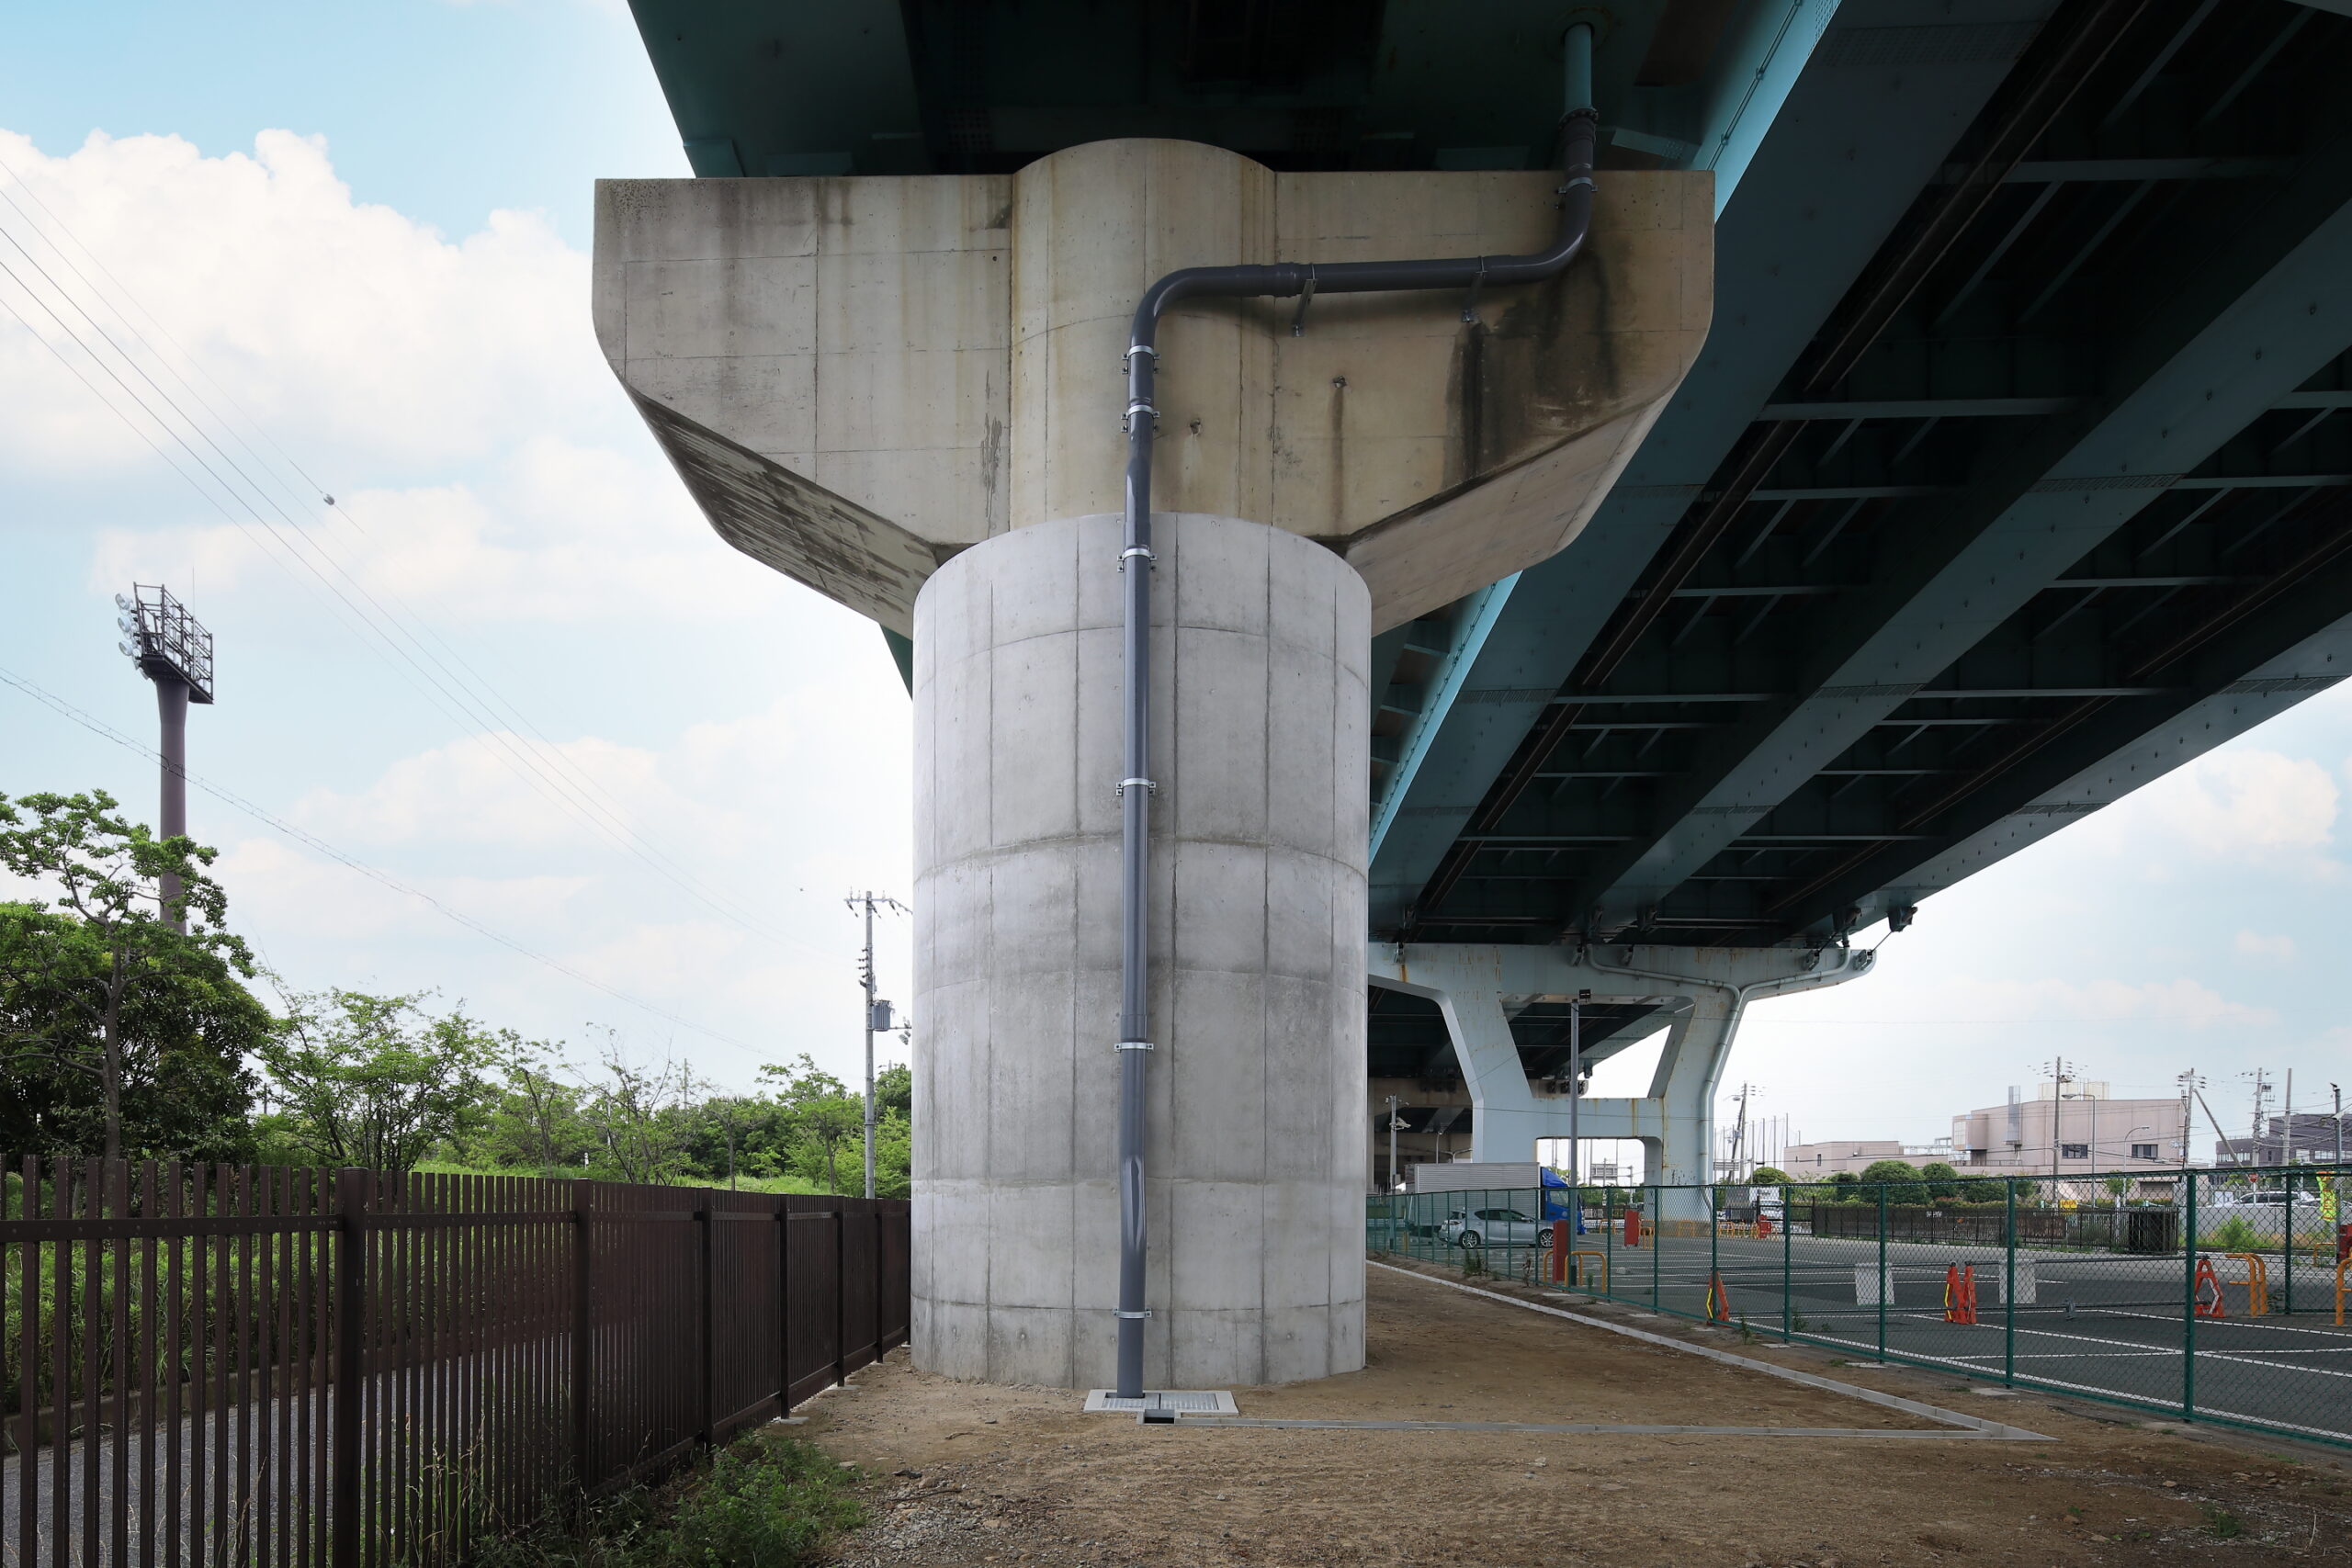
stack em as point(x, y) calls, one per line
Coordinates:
point(2256, 1206)
point(1495, 1227)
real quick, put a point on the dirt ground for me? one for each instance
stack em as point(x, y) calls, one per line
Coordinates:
point(962, 1473)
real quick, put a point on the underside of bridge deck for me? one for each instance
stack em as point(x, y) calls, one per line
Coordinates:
point(2036, 489)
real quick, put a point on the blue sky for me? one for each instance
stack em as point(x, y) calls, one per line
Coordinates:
point(367, 223)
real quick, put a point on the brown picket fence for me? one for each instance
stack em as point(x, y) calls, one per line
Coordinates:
point(282, 1367)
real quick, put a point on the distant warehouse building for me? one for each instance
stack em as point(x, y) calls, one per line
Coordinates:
point(2077, 1133)
point(1816, 1162)
point(2080, 1133)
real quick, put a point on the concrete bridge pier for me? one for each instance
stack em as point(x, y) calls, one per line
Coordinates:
point(911, 394)
point(1254, 1200)
point(1705, 992)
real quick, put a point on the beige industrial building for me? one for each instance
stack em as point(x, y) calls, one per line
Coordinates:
point(1815, 1161)
point(2086, 1131)
point(2082, 1132)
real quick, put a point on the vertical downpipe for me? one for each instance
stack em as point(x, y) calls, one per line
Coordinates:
point(1279, 280)
point(1134, 830)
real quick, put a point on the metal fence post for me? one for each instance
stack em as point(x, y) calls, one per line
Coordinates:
point(1657, 1210)
point(783, 1307)
point(1608, 1239)
point(2010, 1290)
point(1788, 1252)
point(2189, 1301)
point(350, 1328)
point(880, 1298)
point(583, 1333)
point(1881, 1271)
point(2287, 1247)
point(1714, 1251)
point(707, 1220)
point(840, 1290)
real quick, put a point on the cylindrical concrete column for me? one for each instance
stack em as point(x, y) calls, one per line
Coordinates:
point(1256, 1137)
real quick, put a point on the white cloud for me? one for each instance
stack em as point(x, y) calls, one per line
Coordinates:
point(2242, 806)
point(275, 887)
point(2253, 944)
point(491, 476)
point(1963, 1000)
point(344, 327)
point(555, 530)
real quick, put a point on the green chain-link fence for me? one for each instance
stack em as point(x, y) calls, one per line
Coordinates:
point(2209, 1295)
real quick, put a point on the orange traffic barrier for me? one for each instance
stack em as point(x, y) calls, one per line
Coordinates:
point(1959, 1294)
point(1633, 1228)
point(2204, 1276)
point(1560, 1245)
point(1718, 1303)
point(2257, 1283)
point(1763, 1227)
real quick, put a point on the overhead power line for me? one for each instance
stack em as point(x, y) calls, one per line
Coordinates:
point(312, 841)
point(395, 632)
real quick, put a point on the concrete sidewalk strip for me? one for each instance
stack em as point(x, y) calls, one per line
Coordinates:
point(1618, 1428)
point(1973, 1425)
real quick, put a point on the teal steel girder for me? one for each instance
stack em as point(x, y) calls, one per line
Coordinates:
point(2236, 336)
point(2300, 643)
point(1857, 134)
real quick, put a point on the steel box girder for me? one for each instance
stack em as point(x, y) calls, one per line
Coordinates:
point(1788, 249)
point(2240, 333)
point(2300, 642)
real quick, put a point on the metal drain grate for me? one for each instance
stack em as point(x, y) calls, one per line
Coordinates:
point(1184, 1401)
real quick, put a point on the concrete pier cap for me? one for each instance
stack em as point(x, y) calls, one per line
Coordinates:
point(905, 393)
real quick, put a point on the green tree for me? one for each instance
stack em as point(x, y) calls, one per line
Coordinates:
point(1770, 1175)
point(536, 1121)
point(1942, 1180)
point(639, 1116)
point(894, 1090)
point(893, 1152)
point(825, 1118)
point(730, 1135)
point(375, 1081)
point(1847, 1187)
point(1900, 1178)
point(104, 1003)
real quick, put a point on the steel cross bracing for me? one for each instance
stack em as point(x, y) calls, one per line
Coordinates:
point(2016, 472)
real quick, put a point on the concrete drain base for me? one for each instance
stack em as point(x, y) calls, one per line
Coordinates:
point(1183, 1401)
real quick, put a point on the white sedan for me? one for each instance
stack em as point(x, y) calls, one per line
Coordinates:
point(1495, 1227)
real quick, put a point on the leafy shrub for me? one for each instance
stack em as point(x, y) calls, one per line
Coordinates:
point(762, 1503)
point(766, 1503)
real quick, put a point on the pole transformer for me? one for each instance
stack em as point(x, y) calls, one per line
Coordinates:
point(877, 1012)
point(175, 652)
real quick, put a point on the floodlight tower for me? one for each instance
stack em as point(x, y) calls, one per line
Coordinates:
point(175, 652)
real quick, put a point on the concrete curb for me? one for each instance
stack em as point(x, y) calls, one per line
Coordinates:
point(1972, 1426)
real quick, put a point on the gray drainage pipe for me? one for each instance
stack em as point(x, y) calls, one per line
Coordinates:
point(1280, 281)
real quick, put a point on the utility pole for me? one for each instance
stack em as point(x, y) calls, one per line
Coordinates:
point(2197, 1088)
point(1392, 1145)
point(2261, 1091)
point(1575, 1094)
point(1739, 1132)
point(2188, 1082)
point(877, 1012)
point(2287, 1139)
point(2057, 1120)
point(173, 651)
point(2339, 1127)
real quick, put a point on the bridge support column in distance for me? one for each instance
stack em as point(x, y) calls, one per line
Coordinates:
point(1703, 992)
